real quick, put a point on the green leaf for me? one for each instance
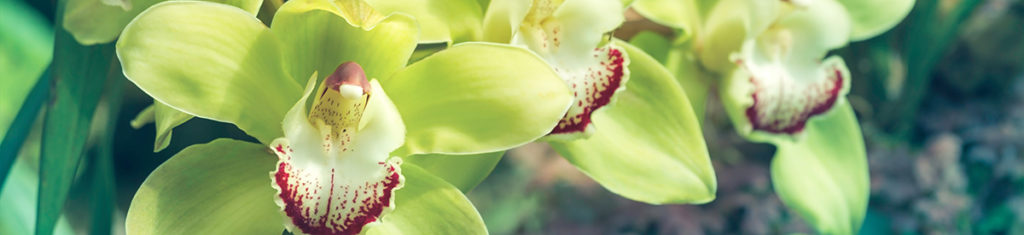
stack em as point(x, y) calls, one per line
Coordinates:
point(463, 171)
point(26, 40)
point(648, 145)
point(213, 61)
point(100, 21)
point(79, 74)
point(824, 174)
point(103, 190)
point(440, 20)
point(318, 38)
point(429, 205)
point(221, 187)
point(477, 98)
point(873, 17)
point(20, 191)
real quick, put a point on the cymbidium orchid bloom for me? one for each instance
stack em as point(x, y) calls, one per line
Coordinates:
point(780, 88)
point(780, 81)
point(338, 167)
point(631, 127)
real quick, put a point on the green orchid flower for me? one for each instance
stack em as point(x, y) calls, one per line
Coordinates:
point(777, 88)
point(603, 141)
point(625, 107)
point(338, 167)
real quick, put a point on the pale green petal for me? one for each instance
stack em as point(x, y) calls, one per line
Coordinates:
point(165, 117)
point(653, 44)
point(210, 60)
point(318, 38)
point(812, 31)
point(729, 24)
point(647, 146)
point(502, 19)
point(428, 205)
point(824, 175)
point(440, 20)
point(873, 17)
point(463, 171)
point(100, 21)
point(681, 61)
point(221, 187)
point(477, 98)
point(680, 14)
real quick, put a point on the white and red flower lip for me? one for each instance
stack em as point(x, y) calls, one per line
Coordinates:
point(784, 106)
point(334, 174)
point(572, 37)
point(592, 89)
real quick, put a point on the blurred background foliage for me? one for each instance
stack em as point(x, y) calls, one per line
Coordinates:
point(940, 98)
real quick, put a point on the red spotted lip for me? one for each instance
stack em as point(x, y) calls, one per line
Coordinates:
point(346, 209)
point(816, 99)
point(597, 90)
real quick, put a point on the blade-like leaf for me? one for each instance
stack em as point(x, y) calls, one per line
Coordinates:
point(824, 175)
point(26, 41)
point(429, 205)
point(213, 61)
point(19, 194)
point(463, 171)
point(103, 197)
point(79, 74)
point(221, 187)
point(647, 146)
point(477, 98)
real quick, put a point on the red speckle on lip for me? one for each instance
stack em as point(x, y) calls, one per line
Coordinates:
point(599, 86)
point(336, 215)
point(820, 98)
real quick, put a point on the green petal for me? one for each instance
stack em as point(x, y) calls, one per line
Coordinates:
point(653, 44)
point(221, 187)
point(463, 171)
point(165, 117)
point(729, 24)
point(873, 17)
point(502, 19)
point(100, 21)
point(681, 61)
point(318, 38)
point(440, 20)
point(210, 60)
point(648, 146)
point(428, 205)
point(26, 42)
point(680, 14)
point(477, 98)
point(824, 175)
